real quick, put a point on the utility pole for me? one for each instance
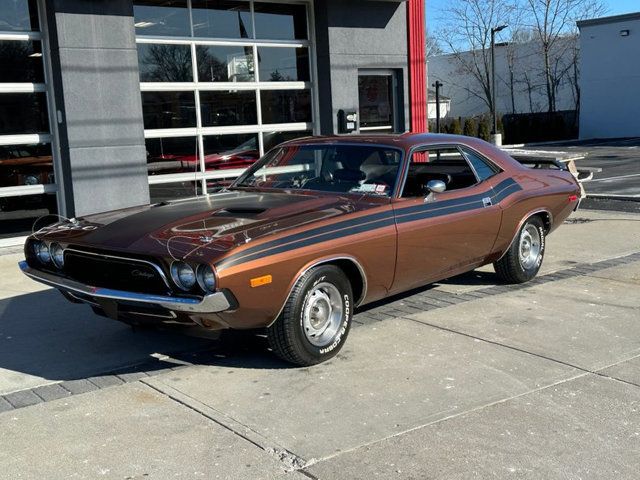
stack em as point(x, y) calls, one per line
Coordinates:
point(494, 132)
point(437, 86)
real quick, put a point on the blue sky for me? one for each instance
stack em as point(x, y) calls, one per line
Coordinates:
point(616, 7)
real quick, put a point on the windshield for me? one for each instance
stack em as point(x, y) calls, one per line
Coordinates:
point(342, 168)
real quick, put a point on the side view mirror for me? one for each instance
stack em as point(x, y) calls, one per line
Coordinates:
point(436, 186)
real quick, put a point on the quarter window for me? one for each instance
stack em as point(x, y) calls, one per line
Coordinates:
point(483, 167)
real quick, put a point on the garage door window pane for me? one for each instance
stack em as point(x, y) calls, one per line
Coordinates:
point(21, 62)
point(228, 108)
point(174, 191)
point(23, 113)
point(225, 64)
point(230, 151)
point(280, 21)
point(283, 64)
point(172, 155)
point(273, 139)
point(221, 19)
point(18, 15)
point(168, 109)
point(286, 106)
point(22, 165)
point(161, 18)
point(165, 63)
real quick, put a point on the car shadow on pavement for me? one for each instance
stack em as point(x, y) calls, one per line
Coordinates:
point(42, 335)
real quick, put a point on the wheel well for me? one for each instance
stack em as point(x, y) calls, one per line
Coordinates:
point(546, 220)
point(354, 274)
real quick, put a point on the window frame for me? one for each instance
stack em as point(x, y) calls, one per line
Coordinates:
point(45, 87)
point(260, 128)
point(440, 146)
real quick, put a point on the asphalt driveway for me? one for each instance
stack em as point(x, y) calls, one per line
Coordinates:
point(464, 379)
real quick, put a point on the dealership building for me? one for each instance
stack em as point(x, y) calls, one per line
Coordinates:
point(106, 104)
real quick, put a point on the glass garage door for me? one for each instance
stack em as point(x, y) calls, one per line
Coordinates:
point(222, 82)
point(27, 182)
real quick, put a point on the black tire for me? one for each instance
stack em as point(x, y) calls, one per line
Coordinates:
point(510, 268)
point(288, 337)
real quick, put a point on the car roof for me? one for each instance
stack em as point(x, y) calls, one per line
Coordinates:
point(404, 141)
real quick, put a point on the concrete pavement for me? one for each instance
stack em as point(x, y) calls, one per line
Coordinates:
point(464, 379)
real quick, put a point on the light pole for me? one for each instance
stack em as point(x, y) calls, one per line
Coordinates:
point(437, 86)
point(494, 30)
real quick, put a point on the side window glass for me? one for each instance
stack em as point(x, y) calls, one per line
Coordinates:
point(483, 167)
point(445, 164)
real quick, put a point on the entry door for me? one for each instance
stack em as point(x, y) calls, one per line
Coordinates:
point(378, 97)
point(446, 233)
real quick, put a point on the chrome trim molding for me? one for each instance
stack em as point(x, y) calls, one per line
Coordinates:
point(322, 262)
point(217, 302)
point(522, 222)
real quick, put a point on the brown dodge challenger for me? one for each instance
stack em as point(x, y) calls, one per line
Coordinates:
point(314, 229)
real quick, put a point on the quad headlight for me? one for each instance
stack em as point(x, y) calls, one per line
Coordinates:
point(57, 254)
point(42, 253)
point(183, 275)
point(206, 278)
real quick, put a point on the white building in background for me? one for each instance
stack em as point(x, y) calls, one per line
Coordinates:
point(529, 87)
point(445, 105)
point(610, 77)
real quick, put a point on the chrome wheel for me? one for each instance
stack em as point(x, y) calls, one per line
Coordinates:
point(322, 314)
point(530, 246)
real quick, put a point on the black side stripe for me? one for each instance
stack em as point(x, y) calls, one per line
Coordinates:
point(370, 223)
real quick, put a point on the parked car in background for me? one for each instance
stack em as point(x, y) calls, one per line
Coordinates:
point(316, 228)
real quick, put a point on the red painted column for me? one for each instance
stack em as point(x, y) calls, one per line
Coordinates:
point(417, 66)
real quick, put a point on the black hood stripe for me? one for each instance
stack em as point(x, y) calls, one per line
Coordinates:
point(371, 222)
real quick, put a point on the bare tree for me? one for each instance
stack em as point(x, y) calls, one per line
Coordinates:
point(466, 33)
point(553, 21)
point(433, 46)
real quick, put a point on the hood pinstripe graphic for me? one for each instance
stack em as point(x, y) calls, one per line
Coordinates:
point(370, 222)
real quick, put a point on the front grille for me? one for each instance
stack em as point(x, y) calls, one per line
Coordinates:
point(105, 271)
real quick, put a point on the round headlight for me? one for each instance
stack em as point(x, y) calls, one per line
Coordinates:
point(41, 251)
point(57, 255)
point(183, 275)
point(206, 278)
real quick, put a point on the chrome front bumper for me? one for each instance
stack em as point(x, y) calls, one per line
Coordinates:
point(216, 302)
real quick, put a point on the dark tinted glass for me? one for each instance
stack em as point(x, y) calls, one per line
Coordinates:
point(168, 109)
point(23, 113)
point(280, 22)
point(286, 106)
point(483, 167)
point(172, 155)
point(228, 108)
point(283, 64)
point(376, 101)
point(174, 191)
point(230, 151)
point(19, 15)
point(21, 62)
point(225, 64)
point(25, 165)
point(221, 19)
point(272, 139)
point(169, 17)
point(165, 63)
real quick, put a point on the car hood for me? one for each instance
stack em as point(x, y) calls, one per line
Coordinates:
point(210, 225)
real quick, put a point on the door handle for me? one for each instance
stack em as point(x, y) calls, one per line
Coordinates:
point(486, 202)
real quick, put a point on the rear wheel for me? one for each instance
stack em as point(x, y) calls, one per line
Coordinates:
point(316, 319)
point(522, 261)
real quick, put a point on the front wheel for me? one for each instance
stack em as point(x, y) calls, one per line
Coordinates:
point(315, 321)
point(522, 261)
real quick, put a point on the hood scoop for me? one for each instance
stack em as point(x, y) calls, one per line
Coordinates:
point(239, 212)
